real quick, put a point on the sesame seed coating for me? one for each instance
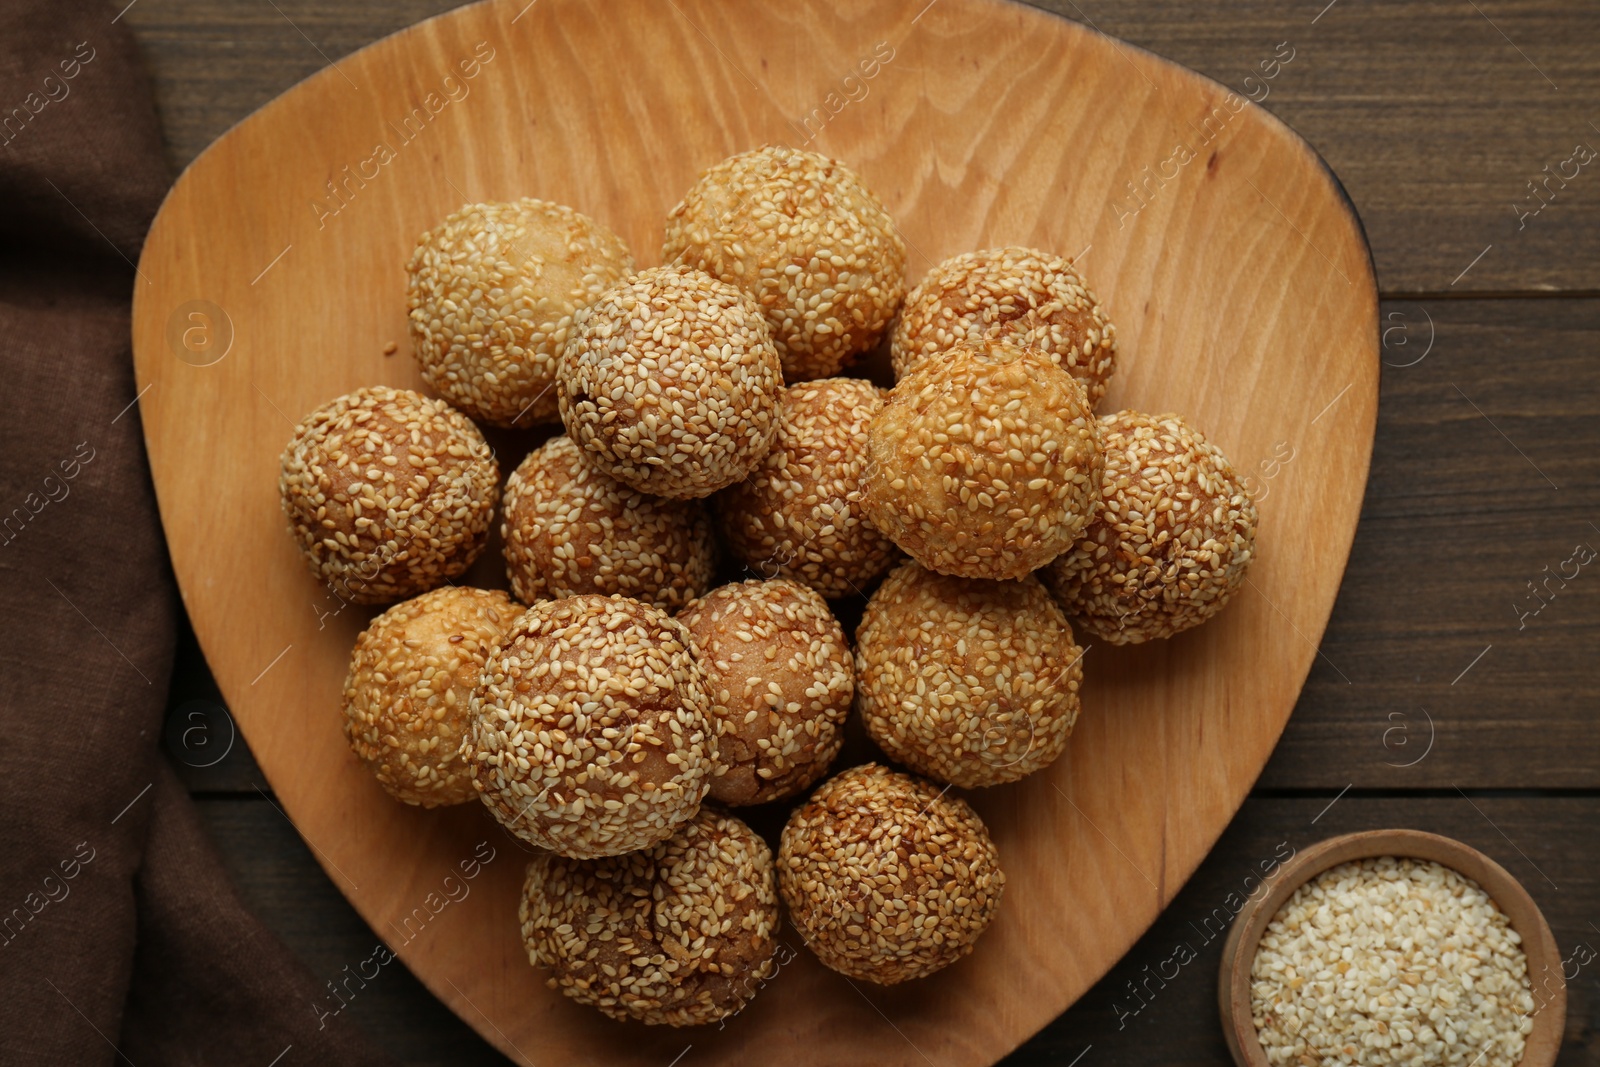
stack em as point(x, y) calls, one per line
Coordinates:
point(572, 529)
point(781, 681)
point(984, 462)
point(592, 732)
point(801, 514)
point(886, 878)
point(388, 493)
point(492, 292)
point(804, 235)
point(967, 681)
point(407, 696)
point(1021, 295)
point(1173, 532)
point(680, 933)
point(670, 384)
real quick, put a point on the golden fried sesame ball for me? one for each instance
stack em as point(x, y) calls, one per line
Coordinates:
point(680, 933)
point(802, 234)
point(967, 681)
point(886, 877)
point(389, 493)
point(1173, 533)
point(669, 383)
point(492, 292)
point(1016, 294)
point(571, 529)
point(800, 513)
point(408, 693)
point(984, 462)
point(780, 677)
point(592, 732)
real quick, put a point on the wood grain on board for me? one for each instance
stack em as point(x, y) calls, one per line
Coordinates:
point(1436, 115)
point(1243, 299)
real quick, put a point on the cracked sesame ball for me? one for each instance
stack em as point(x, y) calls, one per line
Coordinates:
point(1016, 294)
point(571, 529)
point(407, 696)
point(780, 677)
point(492, 292)
point(592, 732)
point(984, 462)
point(800, 513)
point(388, 493)
point(680, 933)
point(886, 877)
point(1173, 533)
point(802, 234)
point(967, 681)
point(669, 383)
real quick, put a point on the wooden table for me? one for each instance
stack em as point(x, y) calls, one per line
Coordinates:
point(1456, 686)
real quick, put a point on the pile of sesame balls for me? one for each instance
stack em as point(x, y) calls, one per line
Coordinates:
point(678, 559)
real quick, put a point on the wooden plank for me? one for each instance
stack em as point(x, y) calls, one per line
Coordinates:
point(1458, 520)
point(1544, 842)
point(213, 62)
point(279, 879)
point(199, 734)
point(1172, 1021)
point(1435, 115)
point(1399, 98)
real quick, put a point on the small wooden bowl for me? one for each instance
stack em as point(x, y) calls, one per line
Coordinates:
point(1544, 957)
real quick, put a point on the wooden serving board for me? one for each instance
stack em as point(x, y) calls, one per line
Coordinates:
point(1233, 267)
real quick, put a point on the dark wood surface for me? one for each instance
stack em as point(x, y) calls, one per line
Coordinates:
point(1441, 700)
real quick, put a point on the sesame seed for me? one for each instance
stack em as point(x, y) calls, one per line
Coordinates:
point(800, 514)
point(989, 690)
point(873, 847)
point(411, 678)
point(669, 383)
point(804, 236)
point(571, 529)
point(1021, 295)
point(369, 529)
point(1391, 961)
point(941, 480)
point(779, 709)
point(492, 290)
point(608, 690)
point(681, 933)
point(1173, 533)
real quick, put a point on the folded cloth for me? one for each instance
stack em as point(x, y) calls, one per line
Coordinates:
point(121, 939)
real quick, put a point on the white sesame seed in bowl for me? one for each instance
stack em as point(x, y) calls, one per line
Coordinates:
point(1392, 947)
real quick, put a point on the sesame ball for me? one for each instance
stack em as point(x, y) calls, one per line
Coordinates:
point(492, 293)
point(389, 493)
point(967, 681)
point(408, 693)
point(984, 462)
point(802, 234)
point(780, 677)
point(680, 933)
point(886, 877)
point(592, 732)
point(571, 529)
point(669, 383)
point(800, 513)
point(1173, 532)
point(1020, 295)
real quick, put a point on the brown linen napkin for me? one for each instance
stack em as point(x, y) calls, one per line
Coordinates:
point(121, 939)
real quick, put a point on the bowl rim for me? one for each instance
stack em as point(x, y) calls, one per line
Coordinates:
point(1544, 955)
